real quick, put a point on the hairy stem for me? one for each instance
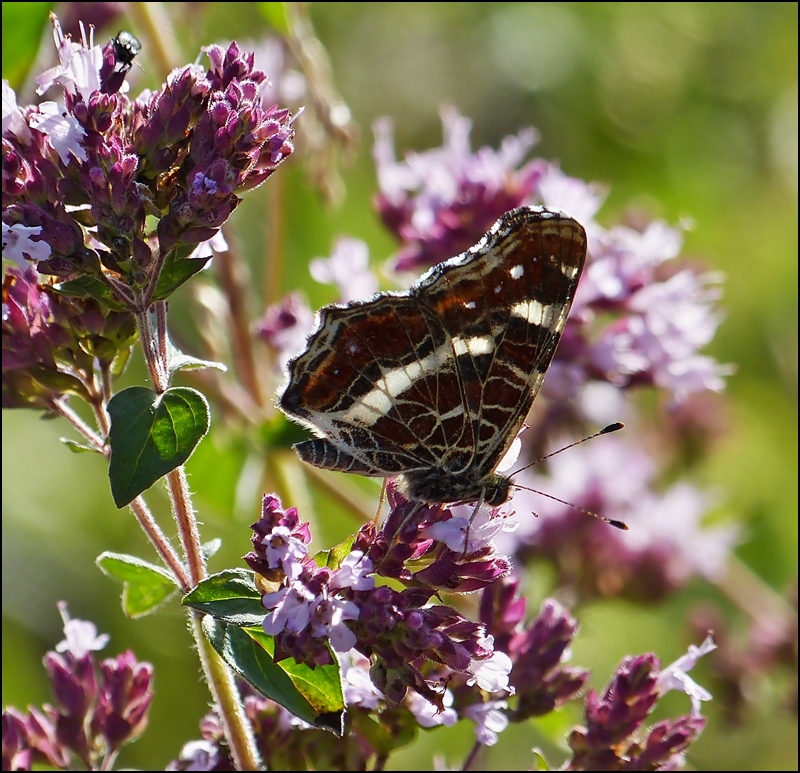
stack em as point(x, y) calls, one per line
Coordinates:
point(238, 732)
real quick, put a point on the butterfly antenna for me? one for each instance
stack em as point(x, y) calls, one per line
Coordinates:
point(610, 521)
point(617, 425)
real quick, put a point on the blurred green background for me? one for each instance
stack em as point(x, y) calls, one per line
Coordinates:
point(686, 110)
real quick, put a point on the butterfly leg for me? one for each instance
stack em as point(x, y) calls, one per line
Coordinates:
point(469, 524)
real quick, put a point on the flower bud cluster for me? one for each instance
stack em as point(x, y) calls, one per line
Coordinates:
point(538, 650)
point(81, 180)
point(307, 610)
point(613, 737)
point(181, 154)
point(411, 644)
point(51, 342)
point(99, 707)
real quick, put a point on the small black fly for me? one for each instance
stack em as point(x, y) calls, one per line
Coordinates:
point(126, 46)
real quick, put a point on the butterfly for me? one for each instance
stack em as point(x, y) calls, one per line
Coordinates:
point(430, 386)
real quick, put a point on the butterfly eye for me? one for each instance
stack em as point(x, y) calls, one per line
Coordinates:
point(496, 496)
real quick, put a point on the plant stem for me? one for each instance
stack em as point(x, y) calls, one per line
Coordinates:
point(61, 407)
point(160, 542)
point(183, 512)
point(238, 731)
point(472, 756)
point(153, 335)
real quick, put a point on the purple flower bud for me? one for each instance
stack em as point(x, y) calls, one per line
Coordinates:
point(285, 327)
point(279, 541)
point(614, 716)
point(125, 695)
point(32, 739)
point(74, 683)
point(501, 610)
point(450, 573)
point(540, 682)
point(665, 744)
point(50, 341)
point(17, 753)
point(626, 702)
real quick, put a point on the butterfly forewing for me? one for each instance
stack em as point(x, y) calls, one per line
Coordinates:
point(505, 314)
point(433, 385)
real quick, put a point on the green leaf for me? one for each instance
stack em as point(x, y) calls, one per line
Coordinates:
point(230, 596)
point(120, 361)
point(79, 448)
point(151, 436)
point(57, 381)
point(144, 586)
point(175, 271)
point(90, 287)
point(321, 686)
point(333, 558)
point(314, 695)
point(177, 360)
point(540, 761)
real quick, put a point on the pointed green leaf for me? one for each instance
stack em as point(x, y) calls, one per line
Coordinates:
point(321, 686)
point(175, 271)
point(145, 586)
point(183, 361)
point(90, 287)
point(211, 547)
point(333, 558)
point(177, 360)
point(79, 448)
point(230, 596)
point(58, 382)
point(540, 761)
point(120, 361)
point(314, 695)
point(151, 436)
